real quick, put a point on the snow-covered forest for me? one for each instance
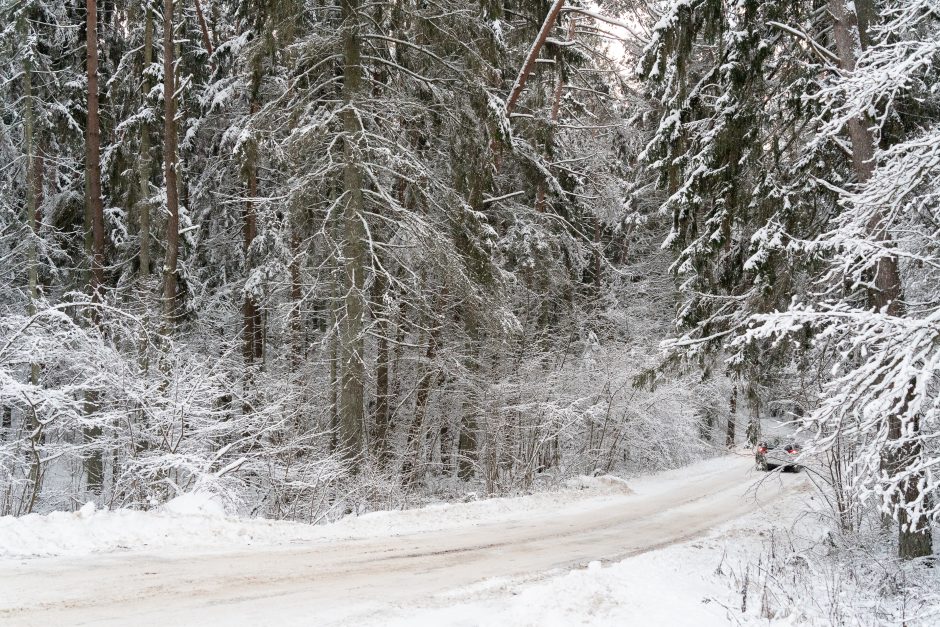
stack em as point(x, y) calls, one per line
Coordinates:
point(326, 257)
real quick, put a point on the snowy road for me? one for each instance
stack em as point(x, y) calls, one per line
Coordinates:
point(357, 580)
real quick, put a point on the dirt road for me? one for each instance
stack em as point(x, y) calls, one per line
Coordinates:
point(339, 582)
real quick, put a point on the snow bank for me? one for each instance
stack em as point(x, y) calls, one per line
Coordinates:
point(661, 588)
point(189, 520)
point(198, 521)
point(673, 587)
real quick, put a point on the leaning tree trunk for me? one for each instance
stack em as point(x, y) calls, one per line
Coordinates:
point(351, 413)
point(533, 55)
point(540, 204)
point(204, 29)
point(94, 465)
point(914, 536)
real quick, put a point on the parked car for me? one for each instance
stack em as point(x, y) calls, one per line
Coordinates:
point(772, 454)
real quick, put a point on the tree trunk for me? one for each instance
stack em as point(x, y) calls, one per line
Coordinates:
point(381, 417)
point(251, 344)
point(753, 425)
point(34, 175)
point(706, 424)
point(334, 384)
point(914, 536)
point(351, 413)
point(411, 467)
point(253, 340)
point(34, 170)
point(598, 256)
point(145, 158)
point(169, 170)
point(206, 40)
point(732, 417)
point(533, 55)
point(447, 447)
point(296, 298)
point(94, 464)
point(540, 204)
point(93, 157)
point(467, 443)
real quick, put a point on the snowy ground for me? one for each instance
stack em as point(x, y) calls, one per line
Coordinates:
point(549, 559)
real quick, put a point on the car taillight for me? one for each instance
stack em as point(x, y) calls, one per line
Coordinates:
point(762, 449)
point(793, 451)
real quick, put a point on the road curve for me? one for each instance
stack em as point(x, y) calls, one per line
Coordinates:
point(352, 581)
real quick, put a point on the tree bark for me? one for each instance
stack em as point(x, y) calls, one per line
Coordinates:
point(94, 465)
point(145, 157)
point(533, 55)
point(598, 256)
point(93, 157)
point(334, 380)
point(732, 417)
point(540, 204)
point(169, 170)
point(296, 297)
point(34, 170)
point(467, 443)
point(753, 425)
point(412, 466)
point(381, 417)
point(351, 413)
point(850, 33)
point(251, 341)
point(34, 175)
point(206, 40)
